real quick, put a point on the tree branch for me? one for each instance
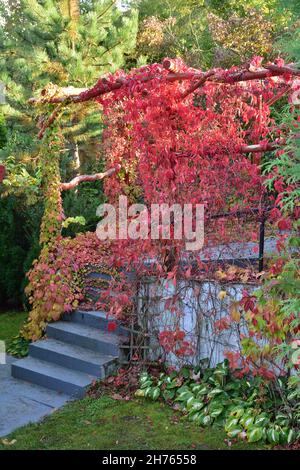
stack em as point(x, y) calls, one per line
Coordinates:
point(96, 177)
point(103, 86)
point(198, 84)
point(260, 147)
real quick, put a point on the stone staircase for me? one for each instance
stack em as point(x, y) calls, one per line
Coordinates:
point(76, 351)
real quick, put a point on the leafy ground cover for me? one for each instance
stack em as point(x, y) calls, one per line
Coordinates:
point(249, 408)
point(108, 424)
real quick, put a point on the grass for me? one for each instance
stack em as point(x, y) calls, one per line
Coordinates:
point(10, 324)
point(107, 424)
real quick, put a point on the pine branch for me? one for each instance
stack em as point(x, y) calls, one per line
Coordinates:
point(106, 9)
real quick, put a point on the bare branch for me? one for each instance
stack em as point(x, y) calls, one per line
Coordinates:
point(198, 84)
point(96, 177)
point(260, 147)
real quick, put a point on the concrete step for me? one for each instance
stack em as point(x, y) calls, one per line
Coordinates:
point(86, 337)
point(52, 376)
point(96, 319)
point(74, 357)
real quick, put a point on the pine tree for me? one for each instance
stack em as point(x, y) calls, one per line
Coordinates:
point(67, 42)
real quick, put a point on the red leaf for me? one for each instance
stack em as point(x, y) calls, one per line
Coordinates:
point(2, 173)
point(111, 326)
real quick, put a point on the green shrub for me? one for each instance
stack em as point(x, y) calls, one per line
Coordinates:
point(248, 408)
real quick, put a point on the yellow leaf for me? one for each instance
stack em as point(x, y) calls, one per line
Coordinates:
point(222, 294)
point(221, 275)
point(235, 314)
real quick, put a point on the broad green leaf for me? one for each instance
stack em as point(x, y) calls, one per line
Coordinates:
point(197, 405)
point(281, 419)
point(237, 412)
point(182, 389)
point(214, 392)
point(168, 394)
point(185, 372)
point(235, 431)
point(206, 420)
point(148, 391)
point(248, 422)
point(204, 389)
point(196, 388)
point(145, 378)
point(146, 384)
point(216, 412)
point(261, 420)
point(184, 396)
point(155, 393)
point(194, 416)
point(273, 436)
point(291, 436)
point(190, 402)
point(254, 434)
point(231, 424)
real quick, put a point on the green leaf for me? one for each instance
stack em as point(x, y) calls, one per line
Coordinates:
point(172, 384)
point(296, 356)
point(182, 389)
point(184, 396)
point(199, 419)
point(273, 436)
point(195, 417)
point(214, 392)
point(185, 372)
point(197, 405)
point(204, 389)
point(234, 432)
point(255, 434)
point(155, 393)
point(168, 394)
point(231, 424)
point(237, 412)
point(147, 384)
point(196, 388)
point(190, 402)
point(248, 422)
point(216, 412)
point(261, 420)
point(281, 419)
point(206, 420)
point(291, 436)
point(148, 391)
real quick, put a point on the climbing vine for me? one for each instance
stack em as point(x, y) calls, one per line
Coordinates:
point(173, 135)
point(51, 181)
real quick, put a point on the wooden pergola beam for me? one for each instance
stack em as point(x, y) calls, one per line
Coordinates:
point(82, 178)
point(103, 86)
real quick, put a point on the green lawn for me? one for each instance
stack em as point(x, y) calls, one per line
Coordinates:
point(107, 424)
point(10, 323)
